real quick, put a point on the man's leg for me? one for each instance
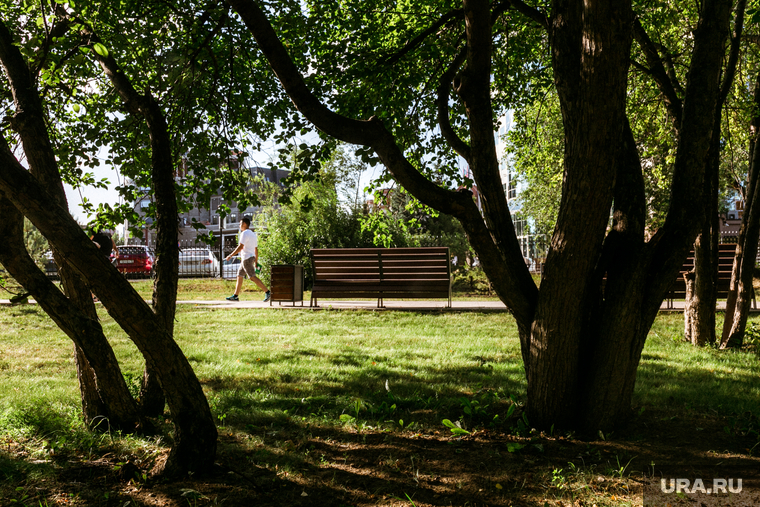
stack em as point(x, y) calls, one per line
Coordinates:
point(239, 285)
point(255, 279)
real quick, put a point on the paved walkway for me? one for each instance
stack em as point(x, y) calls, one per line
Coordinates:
point(474, 305)
point(469, 305)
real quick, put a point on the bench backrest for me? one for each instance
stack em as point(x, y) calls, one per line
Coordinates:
point(381, 264)
point(726, 253)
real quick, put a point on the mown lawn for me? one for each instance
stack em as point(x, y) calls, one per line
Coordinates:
point(347, 408)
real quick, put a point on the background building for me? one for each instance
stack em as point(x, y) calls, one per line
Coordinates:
point(533, 247)
point(207, 213)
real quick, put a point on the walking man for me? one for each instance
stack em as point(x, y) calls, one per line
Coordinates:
point(249, 246)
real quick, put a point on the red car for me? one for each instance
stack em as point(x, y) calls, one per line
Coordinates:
point(136, 260)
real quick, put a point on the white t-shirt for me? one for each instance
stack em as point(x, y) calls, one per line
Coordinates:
point(250, 241)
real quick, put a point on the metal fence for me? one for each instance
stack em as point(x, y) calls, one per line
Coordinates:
point(196, 259)
point(201, 260)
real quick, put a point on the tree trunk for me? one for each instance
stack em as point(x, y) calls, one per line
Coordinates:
point(195, 436)
point(105, 396)
point(152, 399)
point(702, 300)
point(742, 274)
point(591, 83)
point(93, 408)
point(167, 234)
point(701, 291)
point(586, 341)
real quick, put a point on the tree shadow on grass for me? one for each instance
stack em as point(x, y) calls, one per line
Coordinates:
point(696, 388)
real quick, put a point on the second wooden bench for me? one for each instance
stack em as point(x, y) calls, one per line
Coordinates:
point(726, 253)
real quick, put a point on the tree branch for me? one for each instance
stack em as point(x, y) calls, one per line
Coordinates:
point(657, 70)
point(733, 56)
point(412, 44)
point(443, 108)
point(520, 292)
point(162, 177)
point(531, 12)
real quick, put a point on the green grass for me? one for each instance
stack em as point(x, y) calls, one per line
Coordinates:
point(675, 373)
point(322, 373)
point(347, 355)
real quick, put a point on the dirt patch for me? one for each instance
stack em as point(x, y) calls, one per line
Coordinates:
point(349, 466)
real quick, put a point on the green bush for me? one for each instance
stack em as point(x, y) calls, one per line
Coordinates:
point(313, 219)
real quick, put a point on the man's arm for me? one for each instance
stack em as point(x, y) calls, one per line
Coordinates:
point(234, 253)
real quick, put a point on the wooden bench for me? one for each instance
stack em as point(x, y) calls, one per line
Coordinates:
point(381, 273)
point(726, 252)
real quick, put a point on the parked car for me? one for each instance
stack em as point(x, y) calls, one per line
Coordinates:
point(198, 262)
point(231, 267)
point(136, 260)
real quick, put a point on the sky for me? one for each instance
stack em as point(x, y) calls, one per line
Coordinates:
point(94, 195)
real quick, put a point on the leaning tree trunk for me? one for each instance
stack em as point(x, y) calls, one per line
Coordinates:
point(167, 248)
point(742, 274)
point(106, 401)
point(34, 138)
point(195, 435)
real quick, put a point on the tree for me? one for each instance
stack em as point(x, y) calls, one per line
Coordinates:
point(195, 437)
point(742, 275)
point(583, 332)
point(104, 393)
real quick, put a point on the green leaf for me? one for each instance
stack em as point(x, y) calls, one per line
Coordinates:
point(100, 49)
point(456, 430)
point(75, 107)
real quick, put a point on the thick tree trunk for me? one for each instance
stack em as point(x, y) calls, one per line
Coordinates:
point(591, 81)
point(586, 342)
point(105, 397)
point(742, 274)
